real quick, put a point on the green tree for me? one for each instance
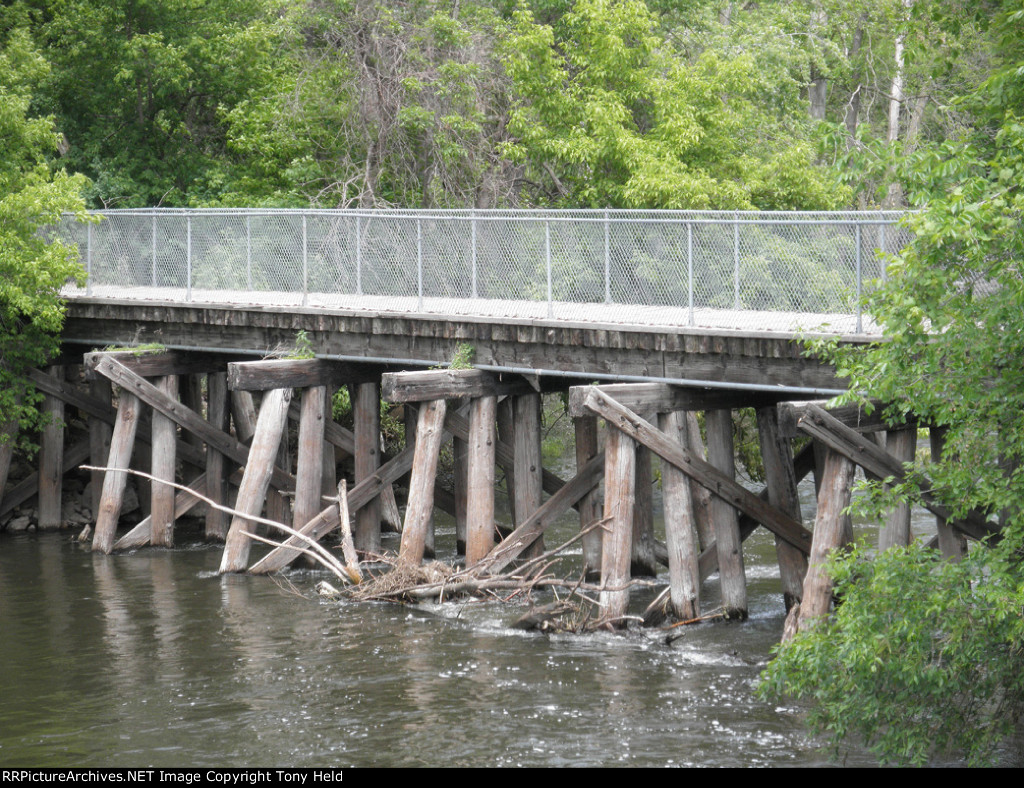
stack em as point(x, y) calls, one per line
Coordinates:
point(922, 656)
point(609, 115)
point(33, 196)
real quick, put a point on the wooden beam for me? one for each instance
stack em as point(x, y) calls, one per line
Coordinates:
point(186, 418)
point(732, 574)
point(666, 398)
point(852, 416)
point(309, 469)
point(873, 459)
point(780, 478)
point(429, 433)
point(528, 473)
point(951, 542)
point(585, 428)
point(183, 504)
point(218, 413)
point(256, 479)
point(828, 535)
point(162, 466)
point(287, 373)
point(160, 363)
point(619, 489)
point(51, 458)
point(694, 467)
point(895, 531)
point(435, 384)
point(114, 481)
point(366, 420)
point(643, 561)
point(680, 529)
point(480, 481)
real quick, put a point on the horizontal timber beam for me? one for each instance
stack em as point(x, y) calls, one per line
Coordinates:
point(291, 373)
point(666, 398)
point(151, 364)
point(853, 416)
point(434, 384)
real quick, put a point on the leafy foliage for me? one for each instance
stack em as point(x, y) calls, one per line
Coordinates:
point(927, 656)
point(32, 196)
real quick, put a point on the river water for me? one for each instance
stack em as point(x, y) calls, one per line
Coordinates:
point(152, 659)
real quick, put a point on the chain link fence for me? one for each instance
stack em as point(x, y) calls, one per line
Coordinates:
point(742, 270)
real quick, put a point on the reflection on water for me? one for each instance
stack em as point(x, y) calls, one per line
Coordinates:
point(151, 659)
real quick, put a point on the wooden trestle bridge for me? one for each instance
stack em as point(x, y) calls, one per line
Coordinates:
point(646, 384)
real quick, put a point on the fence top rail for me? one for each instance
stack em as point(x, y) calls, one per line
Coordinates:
point(590, 215)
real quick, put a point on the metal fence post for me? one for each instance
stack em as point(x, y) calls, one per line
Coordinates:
point(153, 229)
point(607, 263)
point(689, 268)
point(736, 260)
point(359, 256)
point(88, 259)
point(188, 257)
point(472, 224)
point(881, 246)
point(248, 252)
point(419, 263)
point(547, 257)
point(305, 265)
point(859, 281)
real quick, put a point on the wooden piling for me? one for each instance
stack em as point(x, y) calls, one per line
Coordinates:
point(901, 444)
point(680, 528)
point(218, 414)
point(480, 479)
point(619, 489)
point(51, 458)
point(253, 491)
point(527, 476)
point(829, 534)
point(121, 444)
point(952, 543)
point(701, 495)
point(310, 460)
point(366, 417)
point(643, 561)
point(418, 514)
point(101, 390)
point(162, 464)
point(727, 532)
point(780, 478)
point(590, 504)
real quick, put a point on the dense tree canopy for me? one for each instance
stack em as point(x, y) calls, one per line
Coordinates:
point(922, 655)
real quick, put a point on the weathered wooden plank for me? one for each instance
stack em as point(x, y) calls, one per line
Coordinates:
point(511, 546)
point(161, 363)
point(895, 532)
point(252, 494)
point(243, 414)
point(218, 413)
point(680, 529)
point(297, 374)
point(852, 416)
point(700, 494)
point(366, 417)
point(705, 473)
point(731, 571)
point(429, 432)
point(643, 561)
point(873, 459)
point(186, 418)
point(828, 535)
point(325, 522)
point(666, 398)
point(480, 481)
point(528, 473)
point(506, 419)
point(310, 461)
point(114, 481)
point(434, 384)
point(162, 464)
point(619, 488)
point(51, 458)
point(334, 434)
point(780, 476)
point(585, 428)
